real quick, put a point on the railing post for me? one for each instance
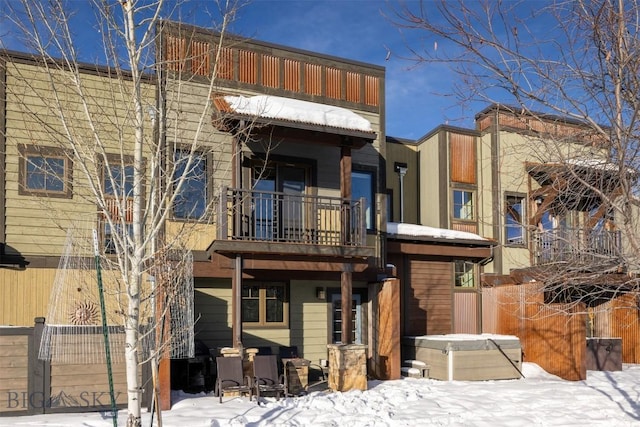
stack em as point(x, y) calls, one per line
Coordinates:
point(362, 229)
point(223, 231)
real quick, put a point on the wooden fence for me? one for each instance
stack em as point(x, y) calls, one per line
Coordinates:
point(32, 386)
point(551, 335)
point(555, 335)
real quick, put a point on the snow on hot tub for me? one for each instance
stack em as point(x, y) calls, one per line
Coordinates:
point(467, 357)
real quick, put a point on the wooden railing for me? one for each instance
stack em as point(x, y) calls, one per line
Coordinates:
point(268, 216)
point(575, 246)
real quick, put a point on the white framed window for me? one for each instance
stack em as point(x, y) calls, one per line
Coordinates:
point(463, 205)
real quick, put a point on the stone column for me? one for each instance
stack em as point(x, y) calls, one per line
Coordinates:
point(347, 367)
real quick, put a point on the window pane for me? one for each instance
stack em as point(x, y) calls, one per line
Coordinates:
point(191, 200)
point(116, 182)
point(362, 186)
point(275, 311)
point(250, 310)
point(45, 173)
point(514, 210)
point(462, 204)
point(464, 274)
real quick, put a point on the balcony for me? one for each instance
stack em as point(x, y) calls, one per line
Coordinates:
point(577, 247)
point(259, 221)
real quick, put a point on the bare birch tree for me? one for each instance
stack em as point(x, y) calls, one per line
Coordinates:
point(577, 63)
point(97, 100)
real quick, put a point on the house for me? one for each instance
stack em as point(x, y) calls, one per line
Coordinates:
point(542, 188)
point(282, 214)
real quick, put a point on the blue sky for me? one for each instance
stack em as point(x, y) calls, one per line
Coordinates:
point(418, 98)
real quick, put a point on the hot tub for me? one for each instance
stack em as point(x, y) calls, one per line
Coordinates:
point(467, 357)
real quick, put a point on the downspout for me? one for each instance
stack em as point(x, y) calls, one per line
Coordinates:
point(401, 168)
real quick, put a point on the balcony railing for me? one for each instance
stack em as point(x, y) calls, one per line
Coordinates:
point(268, 216)
point(576, 246)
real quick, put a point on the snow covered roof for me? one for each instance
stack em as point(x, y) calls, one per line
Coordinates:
point(294, 110)
point(418, 231)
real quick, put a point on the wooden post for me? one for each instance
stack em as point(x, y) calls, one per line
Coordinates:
point(347, 305)
point(236, 304)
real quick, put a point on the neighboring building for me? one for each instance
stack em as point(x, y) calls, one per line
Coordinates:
point(542, 188)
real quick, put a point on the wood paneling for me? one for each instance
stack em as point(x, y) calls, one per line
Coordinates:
point(463, 158)
point(14, 369)
point(428, 299)
point(387, 331)
point(24, 295)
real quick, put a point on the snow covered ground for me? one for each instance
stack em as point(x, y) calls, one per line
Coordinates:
point(540, 399)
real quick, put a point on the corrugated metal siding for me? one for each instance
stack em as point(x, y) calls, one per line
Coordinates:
point(291, 75)
point(463, 158)
point(270, 71)
point(247, 67)
point(313, 79)
point(371, 91)
point(465, 309)
point(333, 81)
point(353, 86)
point(428, 299)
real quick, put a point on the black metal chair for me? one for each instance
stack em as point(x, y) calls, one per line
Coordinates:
point(266, 377)
point(231, 377)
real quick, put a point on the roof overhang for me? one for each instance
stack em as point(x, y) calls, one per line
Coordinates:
point(291, 113)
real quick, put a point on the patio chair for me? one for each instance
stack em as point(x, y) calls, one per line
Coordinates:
point(231, 377)
point(266, 377)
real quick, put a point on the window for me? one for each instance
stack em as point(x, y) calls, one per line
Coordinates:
point(279, 202)
point(192, 198)
point(513, 219)
point(464, 275)
point(117, 178)
point(118, 232)
point(362, 186)
point(45, 171)
point(265, 304)
point(463, 205)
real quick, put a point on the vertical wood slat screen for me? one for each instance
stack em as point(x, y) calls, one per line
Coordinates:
point(463, 158)
point(271, 71)
point(225, 64)
point(247, 66)
point(465, 226)
point(291, 75)
point(313, 79)
point(353, 86)
point(176, 53)
point(200, 58)
point(333, 83)
point(371, 92)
